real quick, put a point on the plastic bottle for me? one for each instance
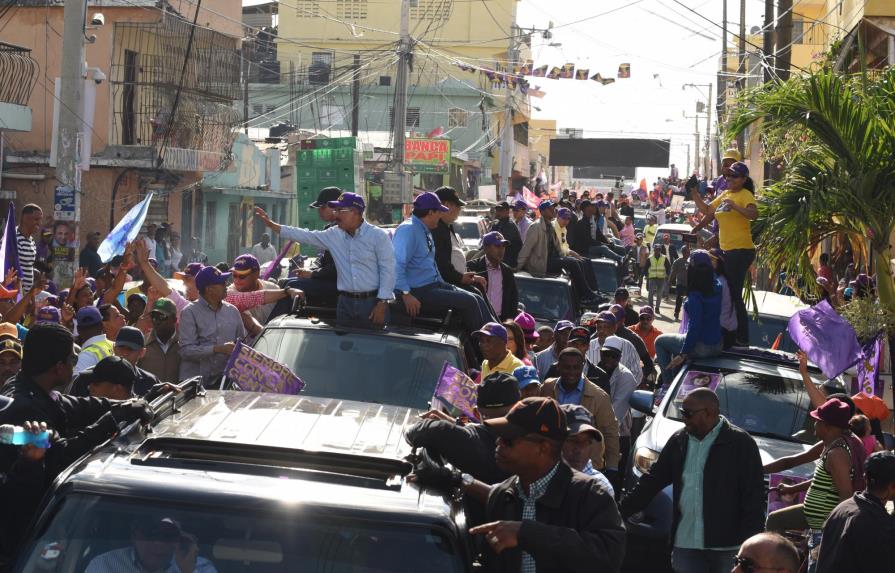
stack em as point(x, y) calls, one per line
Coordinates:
point(18, 436)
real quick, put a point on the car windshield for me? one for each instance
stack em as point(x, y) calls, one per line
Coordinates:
point(92, 534)
point(373, 368)
point(763, 404)
point(468, 230)
point(545, 299)
point(607, 277)
point(764, 330)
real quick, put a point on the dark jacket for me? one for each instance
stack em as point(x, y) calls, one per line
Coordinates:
point(579, 237)
point(509, 306)
point(734, 498)
point(441, 237)
point(468, 448)
point(577, 528)
point(510, 232)
point(145, 381)
point(640, 347)
point(859, 537)
point(324, 266)
point(591, 371)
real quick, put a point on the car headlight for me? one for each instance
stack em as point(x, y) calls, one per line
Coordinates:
point(644, 458)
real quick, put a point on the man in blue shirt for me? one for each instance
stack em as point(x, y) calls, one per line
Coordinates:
point(417, 276)
point(365, 261)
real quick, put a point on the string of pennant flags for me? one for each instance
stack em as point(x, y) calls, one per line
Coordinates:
point(516, 78)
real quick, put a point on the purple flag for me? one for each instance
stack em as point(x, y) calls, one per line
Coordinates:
point(867, 381)
point(457, 390)
point(276, 262)
point(827, 338)
point(9, 248)
point(252, 371)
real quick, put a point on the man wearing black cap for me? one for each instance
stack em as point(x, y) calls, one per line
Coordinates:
point(859, 535)
point(470, 447)
point(623, 298)
point(506, 226)
point(112, 378)
point(545, 517)
point(583, 439)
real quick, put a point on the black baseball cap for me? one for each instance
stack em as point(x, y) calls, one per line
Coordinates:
point(578, 333)
point(580, 420)
point(879, 468)
point(502, 205)
point(537, 415)
point(159, 528)
point(115, 370)
point(449, 194)
point(326, 195)
point(498, 390)
point(622, 293)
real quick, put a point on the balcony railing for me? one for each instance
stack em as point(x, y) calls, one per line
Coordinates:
point(18, 73)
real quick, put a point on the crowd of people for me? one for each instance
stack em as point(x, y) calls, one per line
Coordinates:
point(542, 465)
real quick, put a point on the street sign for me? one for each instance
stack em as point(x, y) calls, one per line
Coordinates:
point(394, 190)
point(427, 155)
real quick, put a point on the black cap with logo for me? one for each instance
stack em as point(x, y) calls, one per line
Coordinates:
point(540, 416)
point(498, 390)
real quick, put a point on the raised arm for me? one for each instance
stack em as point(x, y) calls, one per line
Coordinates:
point(151, 275)
point(814, 393)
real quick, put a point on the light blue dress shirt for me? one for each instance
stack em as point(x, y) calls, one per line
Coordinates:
point(572, 397)
point(691, 529)
point(364, 262)
point(414, 256)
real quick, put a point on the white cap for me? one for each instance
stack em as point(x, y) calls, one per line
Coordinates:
point(613, 343)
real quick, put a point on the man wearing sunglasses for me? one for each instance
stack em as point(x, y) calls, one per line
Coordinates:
point(546, 517)
point(719, 492)
point(246, 273)
point(767, 552)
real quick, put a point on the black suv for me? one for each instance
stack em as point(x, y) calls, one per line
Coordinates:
point(250, 483)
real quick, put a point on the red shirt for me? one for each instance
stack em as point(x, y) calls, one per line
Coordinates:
point(649, 337)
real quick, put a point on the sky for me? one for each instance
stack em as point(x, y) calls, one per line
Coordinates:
point(653, 37)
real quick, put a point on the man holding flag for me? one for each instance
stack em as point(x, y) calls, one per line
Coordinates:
point(27, 249)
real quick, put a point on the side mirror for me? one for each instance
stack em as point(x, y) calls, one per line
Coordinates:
point(642, 401)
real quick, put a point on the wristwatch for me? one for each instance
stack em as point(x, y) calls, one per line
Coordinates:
point(466, 480)
point(405, 292)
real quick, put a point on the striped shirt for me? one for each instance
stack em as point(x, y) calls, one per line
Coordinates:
point(27, 256)
point(125, 561)
point(822, 497)
point(536, 491)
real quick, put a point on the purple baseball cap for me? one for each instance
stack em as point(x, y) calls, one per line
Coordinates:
point(494, 238)
point(563, 325)
point(91, 282)
point(428, 201)
point(348, 200)
point(606, 316)
point(739, 169)
point(520, 204)
point(528, 325)
point(700, 258)
point(209, 276)
point(48, 314)
point(88, 316)
point(618, 311)
point(647, 311)
point(493, 329)
point(189, 272)
point(564, 213)
point(245, 263)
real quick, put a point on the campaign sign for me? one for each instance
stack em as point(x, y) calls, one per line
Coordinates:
point(695, 379)
point(776, 500)
point(457, 390)
point(252, 371)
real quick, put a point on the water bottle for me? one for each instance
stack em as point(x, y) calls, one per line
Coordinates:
point(18, 436)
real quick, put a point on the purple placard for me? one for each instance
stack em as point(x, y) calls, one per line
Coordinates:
point(252, 371)
point(695, 379)
point(457, 390)
point(827, 338)
point(777, 501)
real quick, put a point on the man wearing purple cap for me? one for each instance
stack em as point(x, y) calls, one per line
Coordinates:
point(365, 261)
point(493, 339)
point(417, 277)
point(209, 329)
point(520, 217)
point(503, 293)
point(506, 226)
point(246, 273)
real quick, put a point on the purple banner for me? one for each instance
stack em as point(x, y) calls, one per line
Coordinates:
point(777, 501)
point(827, 338)
point(867, 381)
point(276, 262)
point(695, 379)
point(252, 371)
point(9, 248)
point(457, 390)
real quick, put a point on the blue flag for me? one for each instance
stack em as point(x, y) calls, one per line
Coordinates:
point(9, 248)
point(125, 231)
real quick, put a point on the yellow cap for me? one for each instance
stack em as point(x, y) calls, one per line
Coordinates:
point(732, 154)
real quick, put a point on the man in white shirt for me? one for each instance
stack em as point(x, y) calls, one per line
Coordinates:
point(606, 328)
point(264, 251)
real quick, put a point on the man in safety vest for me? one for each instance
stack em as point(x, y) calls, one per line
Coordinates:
point(657, 268)
point(94, 344)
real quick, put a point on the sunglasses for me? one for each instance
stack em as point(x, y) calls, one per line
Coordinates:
point(241, 275)
point(750, 566)
point(690, 413)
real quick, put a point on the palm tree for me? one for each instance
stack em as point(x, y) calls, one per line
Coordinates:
point(839, 178)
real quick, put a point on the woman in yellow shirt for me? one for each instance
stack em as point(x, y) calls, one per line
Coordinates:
point(735, 209)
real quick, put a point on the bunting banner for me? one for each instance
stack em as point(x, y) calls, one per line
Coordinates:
point(514, 77)
point(582, 74)
point(624, 71)
point(605, 81)
point(568, 71)
point(540, 72)
point(555, 73)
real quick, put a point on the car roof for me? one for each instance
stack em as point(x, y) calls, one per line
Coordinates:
point(469, 219)
point(407, 332)
point(528, 276)
point(674, 228)
point(779, 305)
point(246, 448)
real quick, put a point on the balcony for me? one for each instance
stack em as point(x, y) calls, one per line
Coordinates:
point(18, 73)
point(183, 113)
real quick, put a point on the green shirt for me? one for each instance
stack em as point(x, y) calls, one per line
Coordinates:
point(690, 531)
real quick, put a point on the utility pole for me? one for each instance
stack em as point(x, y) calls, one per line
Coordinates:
point(767, 40)
point(741, 71)
point(71, 92)
point(722, 74)
point(783, 56)
point(400, 115)
point(506, 139)
point(696, 144)
point(245, 86)
point(355, 96)
point(708, 135)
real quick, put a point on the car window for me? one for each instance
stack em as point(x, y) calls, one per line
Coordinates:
point(545, 300)
point(763, 404)
point(362, 367)
point(607, 277)
point(468, 230)
point(92, 534)
point(764, 330)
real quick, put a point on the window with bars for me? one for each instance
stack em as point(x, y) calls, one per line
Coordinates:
point(413, 117)
point(351, 9)
point(431, 10)
point(307, 8)
point(458, 117)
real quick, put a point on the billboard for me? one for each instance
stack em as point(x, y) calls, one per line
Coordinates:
point(621, 154)
point(427, 155)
